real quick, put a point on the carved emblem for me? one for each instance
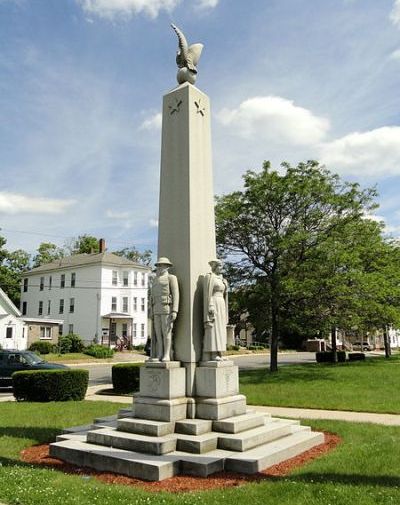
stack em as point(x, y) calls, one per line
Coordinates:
point(154, 381)
point(174, 109)
point(200, 109)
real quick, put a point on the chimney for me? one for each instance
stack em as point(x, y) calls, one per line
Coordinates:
point(102, 245)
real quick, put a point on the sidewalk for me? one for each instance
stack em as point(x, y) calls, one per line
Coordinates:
point(336, 415)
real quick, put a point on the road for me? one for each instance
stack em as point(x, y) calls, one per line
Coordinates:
point(101, 374)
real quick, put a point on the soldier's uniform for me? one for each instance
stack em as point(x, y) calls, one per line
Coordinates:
point(164, 301)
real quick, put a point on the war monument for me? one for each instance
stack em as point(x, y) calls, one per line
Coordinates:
point(188, 416)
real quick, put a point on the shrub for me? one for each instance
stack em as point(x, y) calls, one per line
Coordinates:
point(327, 357)
point(42, 347)
point(256, 347)
point(139, 347)
point(50, 385)
point(70, 343)
point(356, 356)
point(99, 351)
point(233, 348)
point(125, 377)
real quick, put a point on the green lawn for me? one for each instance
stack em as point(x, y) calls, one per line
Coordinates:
point(363, 470)
point(370, 386)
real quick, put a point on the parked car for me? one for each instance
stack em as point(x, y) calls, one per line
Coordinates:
point(14, 361)
point(362, 347)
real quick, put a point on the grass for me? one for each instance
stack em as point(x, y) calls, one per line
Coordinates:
point(363, 470)
point(79, 357)
point(370, 386)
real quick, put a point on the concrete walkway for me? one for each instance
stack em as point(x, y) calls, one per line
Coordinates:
point(297, 413)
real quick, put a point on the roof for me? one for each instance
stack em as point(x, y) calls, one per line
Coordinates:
point(117, 315)
point(41, 320)
point(78, 260)
point(8, 303)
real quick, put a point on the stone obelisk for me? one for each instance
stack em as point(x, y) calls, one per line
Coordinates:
point(186, 214)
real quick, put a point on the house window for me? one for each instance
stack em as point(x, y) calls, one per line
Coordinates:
point(135, 278)
point(48, 306)
point(125, 278)
point(125, 304)
point(142, 330)
point(143, 279)
point(114, 304)
point(62, 283)
point(60, 329)
point(45, 332)
point(24, 308)
point(71, 304)
point(73, 278)
point(9, 332)
point(40, 310)
point(143, 305)
point(135, 304)
point(134, 330)
point(41, 284)
point(70, 328)
point(124, 329)
point(61, 306)
point(114, 278)
point(50, 281)
point(25, 285)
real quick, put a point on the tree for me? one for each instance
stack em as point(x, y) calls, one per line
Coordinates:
point(84, 244)
point(12, 266)
point(46, 253)
point(279, 227)
point(131, 253)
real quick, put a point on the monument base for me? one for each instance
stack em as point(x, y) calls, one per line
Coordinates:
point(160, 409)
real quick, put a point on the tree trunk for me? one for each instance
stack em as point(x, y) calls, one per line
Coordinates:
point(388, 351)
point(273, 367)
point(334, 346)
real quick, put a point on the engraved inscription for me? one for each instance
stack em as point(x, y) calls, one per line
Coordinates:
point(200, 109)
point(174, 109)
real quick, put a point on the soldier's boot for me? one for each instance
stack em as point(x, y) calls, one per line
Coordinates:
point(167, 349)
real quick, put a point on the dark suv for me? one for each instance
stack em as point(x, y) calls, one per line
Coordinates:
point(14, 361)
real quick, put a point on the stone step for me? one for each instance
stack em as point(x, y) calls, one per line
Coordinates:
point(111, 459)
point(193, 426)
point(246, 440)
point(71, 436)
point(77, 429)
point(105, 419)
point(272, 453)
point(197, 444)
point(202, 465)
point(125, 413)
point(145, 427)
point(133, 442)
point(240, 423)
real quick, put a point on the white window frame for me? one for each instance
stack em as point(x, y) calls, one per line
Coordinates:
point(45, 333)
point(114, 278)
point(71, 305)
point(143, 305)
point(135, 278)
point(125, 304)
point(125, 278)
point(135, 304)
point(114, 304)
point(142, 330)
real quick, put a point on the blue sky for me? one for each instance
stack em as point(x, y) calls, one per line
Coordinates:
point(81, 84)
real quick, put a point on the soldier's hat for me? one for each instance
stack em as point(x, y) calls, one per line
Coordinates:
point(163, 261)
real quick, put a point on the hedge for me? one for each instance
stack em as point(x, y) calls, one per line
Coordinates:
point(99, 351)
point(327, 357)
point(125, 377)
point(70, 343)
point(42, 347)
point(356, 356)
point(50, 385)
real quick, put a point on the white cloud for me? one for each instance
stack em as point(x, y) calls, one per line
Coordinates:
point(14, 203)
point(111, 9)
point(372, 153)
point(152, 123)
point(395, 55)
point(153, 223)
point(275, 118)
point(112, 214)
point(207, 4)
point(395, 14)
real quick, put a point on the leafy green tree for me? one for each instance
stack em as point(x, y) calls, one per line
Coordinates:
point(12, 266)
point(280, 226)
point(84, 244)
point(46, 253)
point(131, 253)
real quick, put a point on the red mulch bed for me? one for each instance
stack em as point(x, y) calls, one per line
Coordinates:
point(39, 455)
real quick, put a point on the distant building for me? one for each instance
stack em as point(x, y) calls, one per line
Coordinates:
point(100, 296)
point(13, 329)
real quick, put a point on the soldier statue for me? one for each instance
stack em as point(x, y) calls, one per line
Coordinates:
point(164, 303)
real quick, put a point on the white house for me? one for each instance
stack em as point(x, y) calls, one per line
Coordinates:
point(99, 296)
point(13, 330)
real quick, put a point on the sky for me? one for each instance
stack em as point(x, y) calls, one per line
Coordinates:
point(81, 86)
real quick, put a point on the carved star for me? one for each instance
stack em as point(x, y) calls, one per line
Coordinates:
point(200, 110)
point(175, 108)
